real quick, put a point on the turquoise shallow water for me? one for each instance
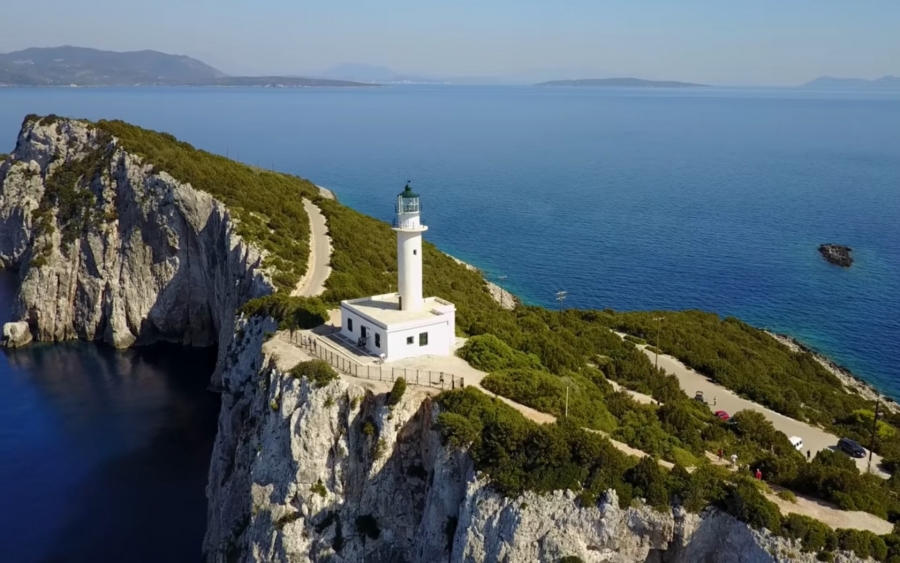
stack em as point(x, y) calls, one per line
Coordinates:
point(630, 199)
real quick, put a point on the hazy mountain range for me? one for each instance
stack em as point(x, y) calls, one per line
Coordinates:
point(831, 83)
point(64, 66)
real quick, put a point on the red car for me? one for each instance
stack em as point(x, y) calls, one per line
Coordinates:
point(722, 415)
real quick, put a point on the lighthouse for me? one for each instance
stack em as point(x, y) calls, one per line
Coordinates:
point(404, 324)
point(409, 229)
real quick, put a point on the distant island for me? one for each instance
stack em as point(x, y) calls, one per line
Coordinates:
point(837, 254)
point(79, 66)
point(891, 83)
point(622, 83)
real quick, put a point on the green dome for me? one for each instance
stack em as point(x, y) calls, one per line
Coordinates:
point(407, 193)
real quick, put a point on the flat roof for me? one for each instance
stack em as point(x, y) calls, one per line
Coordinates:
point(385, 310)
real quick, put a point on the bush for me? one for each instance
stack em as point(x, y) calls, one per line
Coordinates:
point(745, 502)
point(547, 393)
point(787, 495)
point(291, 313)
point(397, 392)
point(814, 535)
point(318, 372)
point(488, 353)
point(456, 430)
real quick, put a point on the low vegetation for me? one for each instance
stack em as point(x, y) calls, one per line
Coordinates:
point(317, 372)
point(397, 392)
point(292, 313)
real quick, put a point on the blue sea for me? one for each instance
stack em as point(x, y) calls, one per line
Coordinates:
point(712, 199)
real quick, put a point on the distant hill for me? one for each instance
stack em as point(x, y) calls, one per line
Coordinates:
point(358, 72)
point(832, 83)
point(79, 66)
point(622, 83)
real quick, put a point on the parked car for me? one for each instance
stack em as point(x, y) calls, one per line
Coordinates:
point(699, 397)
point(722, 415)
point(851, 448)
point(797, 442)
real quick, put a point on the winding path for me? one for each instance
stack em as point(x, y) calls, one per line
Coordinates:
point(317, 269)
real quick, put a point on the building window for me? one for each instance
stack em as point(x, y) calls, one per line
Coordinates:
point(423, 339)
point(409, 339)
point(415, 252)
point(350, 325)
point(377, 340)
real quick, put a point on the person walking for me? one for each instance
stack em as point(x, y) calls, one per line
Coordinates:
point(808, 455)
point(733, 460)
point(715, 400)
point(721, 453)
point(758, 474)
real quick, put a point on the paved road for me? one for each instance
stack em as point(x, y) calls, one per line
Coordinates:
point(317, 270)
point(814, 439)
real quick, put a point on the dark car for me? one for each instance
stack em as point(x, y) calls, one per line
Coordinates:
point(851, 448)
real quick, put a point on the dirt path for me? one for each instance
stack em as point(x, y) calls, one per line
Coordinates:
point(318, 269)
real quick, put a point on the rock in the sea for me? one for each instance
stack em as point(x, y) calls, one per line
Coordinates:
point(837, 254)
point(16, 335)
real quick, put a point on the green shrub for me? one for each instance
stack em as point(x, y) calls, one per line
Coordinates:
point(787, 495)
point(635, 339)
point(291, 313)
point(488, 353)
point(547, 393)
point(318, 372)
point(456, 430)
point(745, 502)
point(397, 392)
point(814, 535)
point(319, 489)
point(571, 559)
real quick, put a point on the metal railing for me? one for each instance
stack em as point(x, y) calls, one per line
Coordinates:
point(378, 372)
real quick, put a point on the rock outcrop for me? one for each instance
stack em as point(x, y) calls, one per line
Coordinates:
point(837, 254)
point(133, 257)
point(16, 335)
point(300, 473)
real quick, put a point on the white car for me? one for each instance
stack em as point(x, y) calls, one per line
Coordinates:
point(797, 442)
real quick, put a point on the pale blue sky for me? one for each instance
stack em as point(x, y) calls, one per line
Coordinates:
point(715, 41)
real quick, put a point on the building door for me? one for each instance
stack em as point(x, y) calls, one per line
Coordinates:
point(364, 331)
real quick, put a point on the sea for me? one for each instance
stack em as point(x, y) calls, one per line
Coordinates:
point(631, 199)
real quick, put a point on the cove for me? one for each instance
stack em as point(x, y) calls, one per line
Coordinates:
point(103, 453)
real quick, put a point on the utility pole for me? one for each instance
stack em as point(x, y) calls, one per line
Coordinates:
point(560, 297)
point(874, 431)
point(658, 325)
point(500, 279)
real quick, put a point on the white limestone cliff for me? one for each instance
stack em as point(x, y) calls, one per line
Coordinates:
point(161, 263)
point(306, 474)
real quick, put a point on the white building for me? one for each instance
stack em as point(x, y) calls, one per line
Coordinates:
point(403, 324)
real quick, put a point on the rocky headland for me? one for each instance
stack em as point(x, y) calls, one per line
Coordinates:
point(110, 248)
point(837, 254)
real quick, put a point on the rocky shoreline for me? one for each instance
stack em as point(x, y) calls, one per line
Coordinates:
point(837, 254)
point(853, 383)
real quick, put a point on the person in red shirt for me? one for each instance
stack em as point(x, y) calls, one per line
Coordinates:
point(758, 474)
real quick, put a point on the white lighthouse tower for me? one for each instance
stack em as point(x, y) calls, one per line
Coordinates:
point(403, 324)
point(409, 229)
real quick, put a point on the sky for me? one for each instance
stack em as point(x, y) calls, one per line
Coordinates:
point(730, 42)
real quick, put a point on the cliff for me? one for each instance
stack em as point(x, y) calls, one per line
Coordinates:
point(301, 473)
point(110, 249)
